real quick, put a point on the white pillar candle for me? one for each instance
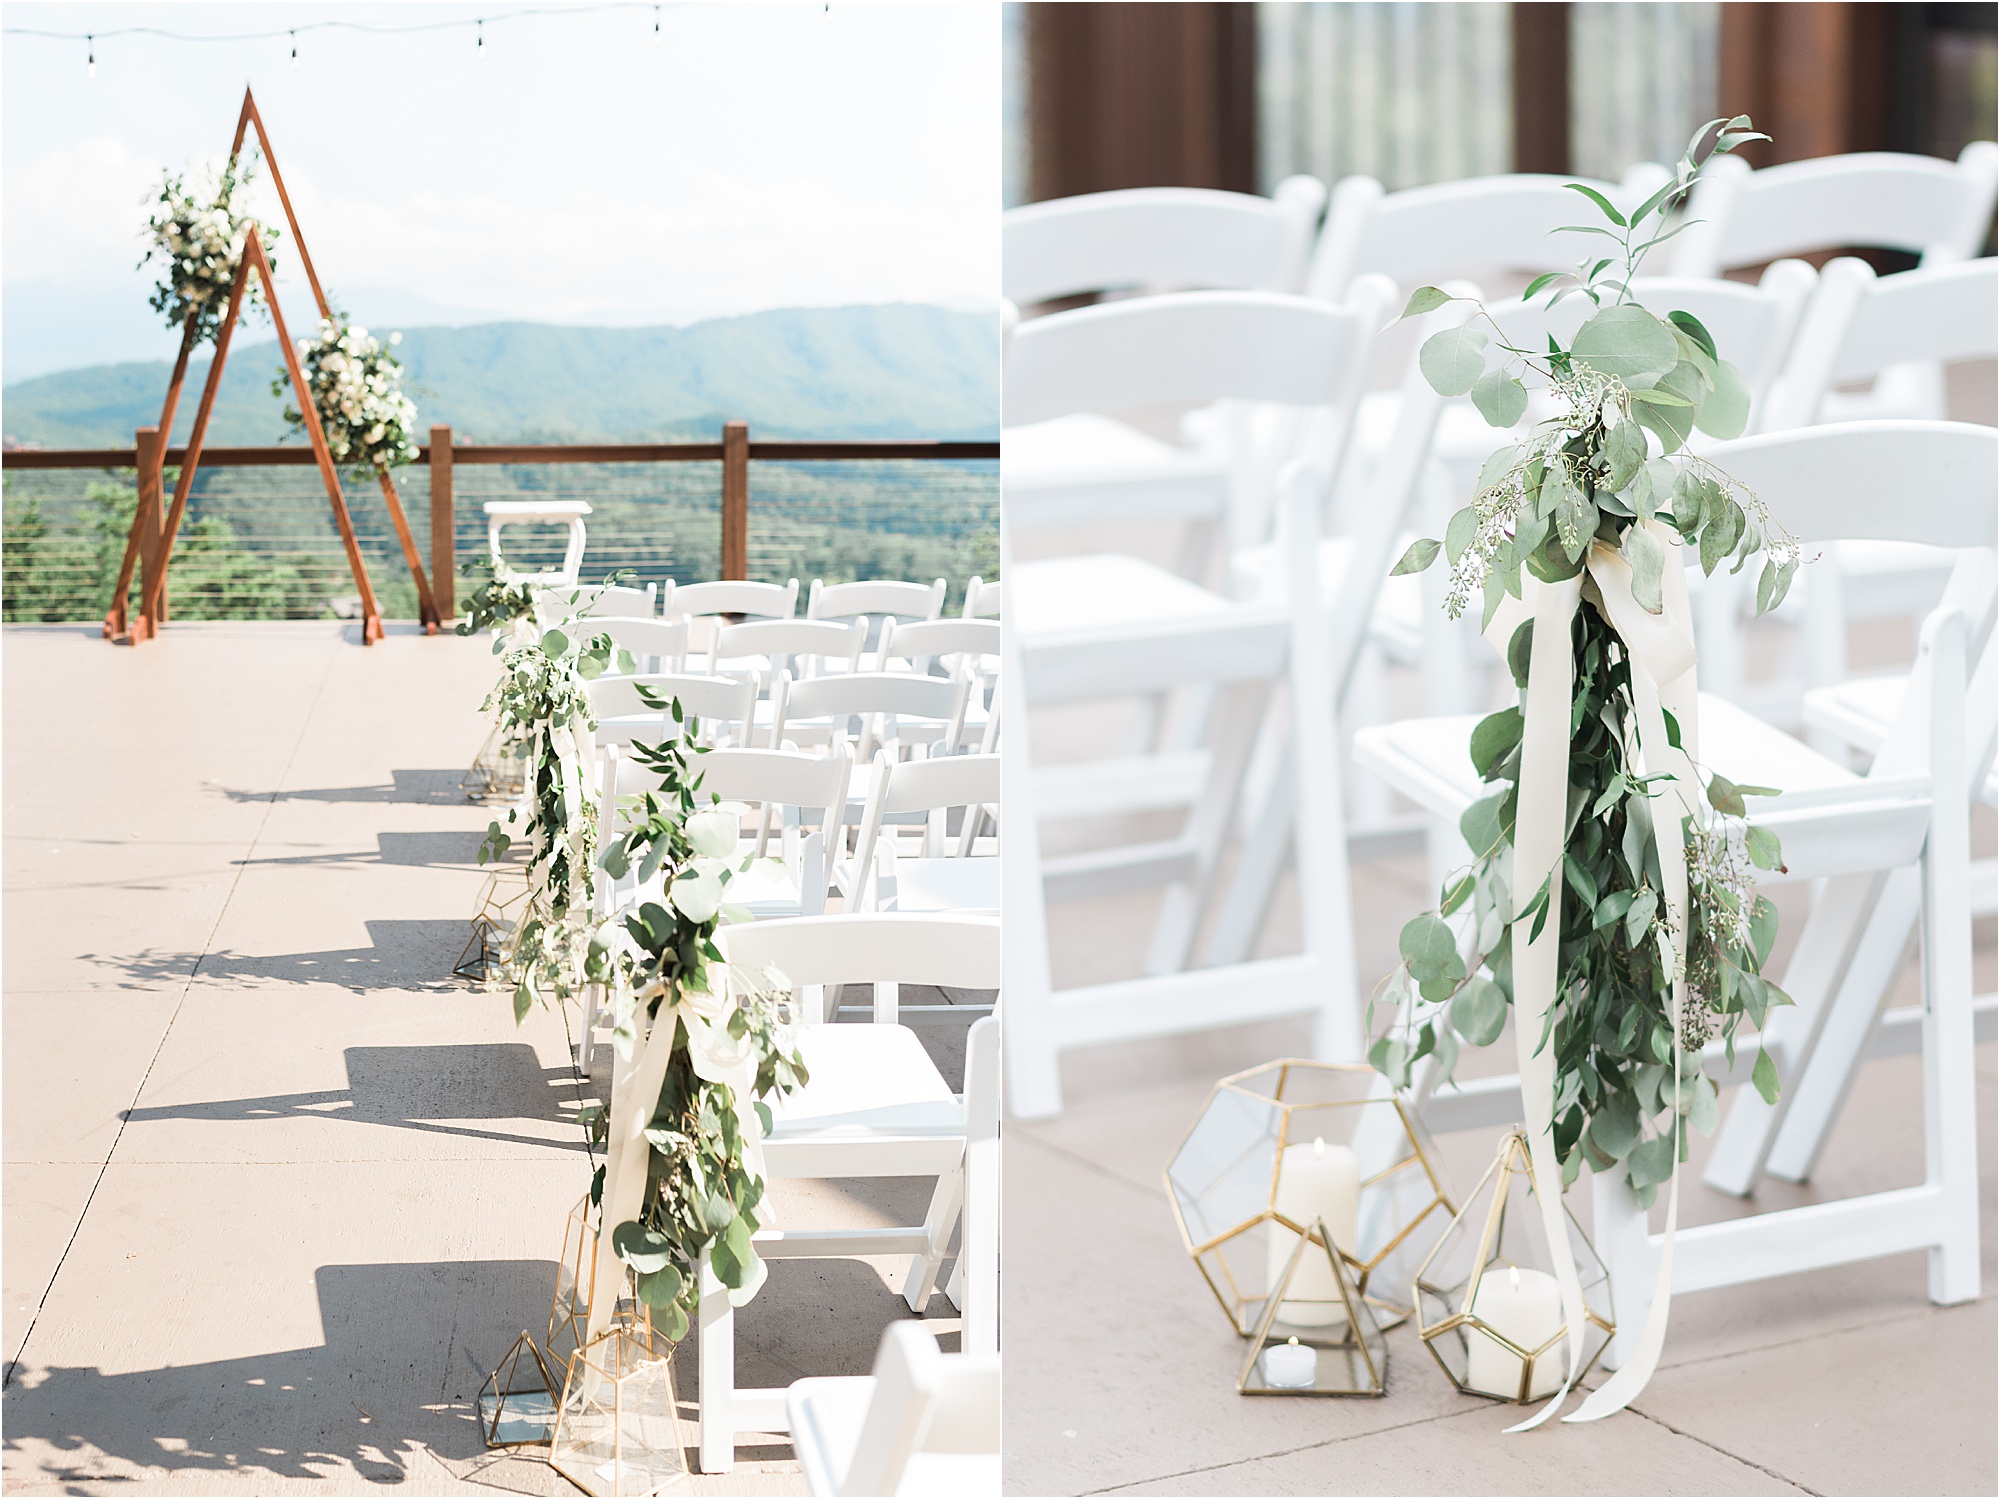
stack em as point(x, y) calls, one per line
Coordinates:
point(1290, 1366)
point(1525, 1308)
point(1314, 1181)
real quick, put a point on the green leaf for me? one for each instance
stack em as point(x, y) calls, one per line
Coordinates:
point(1626, 341)
point(1391, 1058)
point(1727, 409)
point(1495, 468)
point(1762, 846)
point(1576, 523)
point(1673, 728)
point(1541, 281)
point(1479, 824)
point(1763, 929)
point(1764, 1077)
point(1479, 1011)
point(1724, 796)
point(1452, 360)
point(1614, 1128)
point(1428, 947)
point(1579, 880)
point(1649, 561)
point(1639, 916)
point(1520, 650)
point(1426, 299)
point(1691, 325)
point(1459, 532)
point(1651, 1162)
point(1720, 535)
point(1422, 553)
point(1601, 201)
point(662, 1288)
point(1492, 737)
point(1672, 418)
point(554, 643)
point(642, 1248)
point(1500, 398)
point(1625, 455)
point(1456, 894)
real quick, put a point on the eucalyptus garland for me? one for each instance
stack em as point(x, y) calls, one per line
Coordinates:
point(541, 706)
point(1588, 477)
point(705, 1180)
point(198, 235)
point(496, 603)
point(357, 390)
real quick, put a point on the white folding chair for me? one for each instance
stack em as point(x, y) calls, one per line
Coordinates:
point(762, 648)
point(1861, 327)
point(655, 645)
point(722, 708)
point(1892, 480)
point(877, 596)
point(943, 874)
point(1877, 199)
point(707, 607)
point(968, 648)
point(982, 599)
point(555, 602)
point(886, 703)
point(924, 1422)
point(876, 1105)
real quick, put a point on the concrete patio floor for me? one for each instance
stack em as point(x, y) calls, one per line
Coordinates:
point(279, 1191)
point(1121, 1368)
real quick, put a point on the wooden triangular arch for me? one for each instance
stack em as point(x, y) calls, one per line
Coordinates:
point(151, 542)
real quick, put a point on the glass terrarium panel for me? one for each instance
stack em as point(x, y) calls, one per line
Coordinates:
point(1221, 1175)
point(618, 1429)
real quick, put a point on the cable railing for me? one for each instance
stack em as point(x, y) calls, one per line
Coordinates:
point(260, 540)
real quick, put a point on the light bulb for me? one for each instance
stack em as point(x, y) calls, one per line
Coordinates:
point(480, 45)
point(295, 52)
point(90, 59)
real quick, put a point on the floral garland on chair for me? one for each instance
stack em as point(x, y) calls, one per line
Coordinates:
point(357, 390)
point(684, 1174)
point(1611, 899)
point(199, 236)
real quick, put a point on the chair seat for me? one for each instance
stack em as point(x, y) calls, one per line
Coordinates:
point(827, 1417)
point(865, 1080)
point(1398, 622)
point(766, 889)
point(947, 885)
point(1082, 592)
point(1830, 820)
point(1088, 448)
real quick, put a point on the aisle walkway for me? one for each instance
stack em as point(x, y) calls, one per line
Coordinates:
point(278, 1190)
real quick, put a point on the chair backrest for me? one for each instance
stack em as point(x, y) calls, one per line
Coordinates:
point(765, 600)
point(924, 1401)
point(1159, 238)
point(581, 600)
point(1447, 229)
point(980, 1239)
point(959, 952)
point(716, 702)
point(1875, 199)
point(921, 640)
point(812, 643)
point(845, 600)
point(1191, 348)
point(1753, 326)
point(866, 694)
point(982, 599)
point(656, 644)
point(934, 786)
point(1859, 325)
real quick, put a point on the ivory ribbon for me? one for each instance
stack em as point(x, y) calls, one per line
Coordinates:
point(717, 1057)
point(1660, 650)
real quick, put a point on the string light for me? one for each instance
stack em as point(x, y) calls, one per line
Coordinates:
point(90, 63)
point(480, 45)
point(295, 52)
point(656, 20)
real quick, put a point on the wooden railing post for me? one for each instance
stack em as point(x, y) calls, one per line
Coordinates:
point(735, 500)
point(444, 561)
point(150, 447)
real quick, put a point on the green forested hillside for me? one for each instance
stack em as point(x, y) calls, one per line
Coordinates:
point(841, 372)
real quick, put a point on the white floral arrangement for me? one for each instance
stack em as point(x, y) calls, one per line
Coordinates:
point(199, 234)
point(357, 386)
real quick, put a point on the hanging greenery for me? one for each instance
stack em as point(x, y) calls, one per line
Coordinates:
point(729, 1051)
point(1589, 478)
point(357, 390)
point(496, 603)
point(198, 234)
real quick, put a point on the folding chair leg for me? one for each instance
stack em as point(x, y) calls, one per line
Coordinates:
point(1620, 1240)
point(716, 1356)
point(954, 1289)
point(938, 1224)
point(590, 1001)
point(1820, 1089)
point(1259, 866)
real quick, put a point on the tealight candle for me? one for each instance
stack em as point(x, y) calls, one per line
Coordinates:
point(1525, 1308)
point(1290, 1366)
point(1314, 1181)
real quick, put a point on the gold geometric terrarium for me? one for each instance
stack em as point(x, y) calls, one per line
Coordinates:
point(618, 1427)
point(1488, 1308)
point(1296, 1349)
point(517, 1404)
point(1289, 1142)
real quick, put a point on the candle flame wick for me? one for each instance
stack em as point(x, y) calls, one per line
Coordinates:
point(1319, 1145)
point(1514, 1275)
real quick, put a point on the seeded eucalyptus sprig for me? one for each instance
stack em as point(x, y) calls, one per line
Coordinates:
point(1630, 383)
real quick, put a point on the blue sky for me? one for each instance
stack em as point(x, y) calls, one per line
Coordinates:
point(583, 170)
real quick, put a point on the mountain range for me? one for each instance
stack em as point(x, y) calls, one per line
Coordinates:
point(890, 371)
